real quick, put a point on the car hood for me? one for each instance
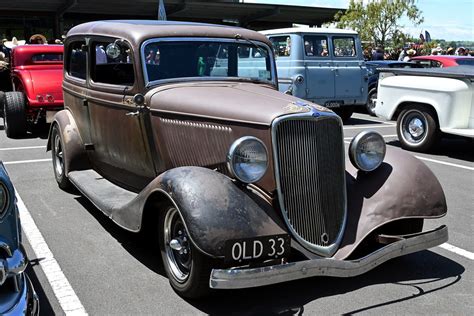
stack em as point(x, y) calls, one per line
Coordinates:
point(239, 102)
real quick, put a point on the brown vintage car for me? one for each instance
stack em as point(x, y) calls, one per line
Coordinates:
point(178, 129)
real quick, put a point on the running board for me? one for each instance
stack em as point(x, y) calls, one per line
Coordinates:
point(105, 195)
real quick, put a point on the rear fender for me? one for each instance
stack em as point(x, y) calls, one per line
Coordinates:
point(75, 156)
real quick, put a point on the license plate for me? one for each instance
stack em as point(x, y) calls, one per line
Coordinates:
point(50, 116)
point(334, 104)
point(259, 248)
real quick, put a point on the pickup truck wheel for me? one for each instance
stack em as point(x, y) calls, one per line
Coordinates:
point(417, 128)
point(14, 116)
point(188, 269)
point(57, 152)
point(345, 114)
point(371, 101)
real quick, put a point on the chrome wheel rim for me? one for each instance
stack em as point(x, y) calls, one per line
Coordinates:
point(58, 156)
point(177, 246)
point(414, 127)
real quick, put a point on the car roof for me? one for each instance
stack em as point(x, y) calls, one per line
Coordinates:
point(38, 48)
point(312, 30)
point(442, 57)
point(136, 31)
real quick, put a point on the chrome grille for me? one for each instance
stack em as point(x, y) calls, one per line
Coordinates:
point(310, 174)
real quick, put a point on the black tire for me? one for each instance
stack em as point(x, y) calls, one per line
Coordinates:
point(188, 272)
point(2, 102)
point(59, 164)
point(345, 114)
point(370, 101)
point(14, 116)
point(417, 128)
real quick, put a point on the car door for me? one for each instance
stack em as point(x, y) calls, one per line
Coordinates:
point(121, 150)
point(349, 70)
point(319, 68)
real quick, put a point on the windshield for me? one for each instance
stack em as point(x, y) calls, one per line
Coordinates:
point(207, 59)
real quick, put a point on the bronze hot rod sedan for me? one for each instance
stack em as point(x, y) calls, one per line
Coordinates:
point(179, 129)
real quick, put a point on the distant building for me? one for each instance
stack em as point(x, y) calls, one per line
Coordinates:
point(54, 17)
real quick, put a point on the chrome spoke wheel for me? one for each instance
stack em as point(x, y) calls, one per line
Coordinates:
point(177, 246)
point(58, 157)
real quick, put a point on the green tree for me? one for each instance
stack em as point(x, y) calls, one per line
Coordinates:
point(379, 20)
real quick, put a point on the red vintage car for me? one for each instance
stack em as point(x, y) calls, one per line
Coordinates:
point(36, 72)
point(443, 61)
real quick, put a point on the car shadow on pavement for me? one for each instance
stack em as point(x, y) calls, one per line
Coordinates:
point(137, 244)
point(423, 272)
point(40, 132)
point(44, 305)
point(453, 147)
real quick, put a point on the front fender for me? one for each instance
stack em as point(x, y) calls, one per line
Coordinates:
point(75, 156)
point(213, 208)
point(402, 187)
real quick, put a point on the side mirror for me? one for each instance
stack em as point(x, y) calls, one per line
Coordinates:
point(138, 99)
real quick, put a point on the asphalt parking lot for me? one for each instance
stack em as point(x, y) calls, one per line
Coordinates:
point(102, 269)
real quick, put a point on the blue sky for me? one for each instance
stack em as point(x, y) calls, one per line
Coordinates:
point(444, 19)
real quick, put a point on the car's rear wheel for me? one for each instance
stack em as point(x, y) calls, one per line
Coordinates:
point(187, 268)
point(345, 114)
point(14, 116)
point(57, 152)
point(371, 101)
point(417, 128)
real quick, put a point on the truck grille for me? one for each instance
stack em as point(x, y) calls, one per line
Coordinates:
point(310, 172)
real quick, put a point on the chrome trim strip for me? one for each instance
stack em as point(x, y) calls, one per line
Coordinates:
point(13, 265)
point(274, 81)
point(246, 278)
point(313, 114)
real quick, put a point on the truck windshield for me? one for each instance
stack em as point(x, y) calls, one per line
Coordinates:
point(207, 59)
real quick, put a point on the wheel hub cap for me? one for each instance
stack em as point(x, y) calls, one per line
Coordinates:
point(416, 127)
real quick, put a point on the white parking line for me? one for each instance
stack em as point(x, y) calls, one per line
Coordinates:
point(457, 250)
point(20, 148)
point(25, 161)
point(446, 163)
point(384, 136)
point(62, 289)
point(368, 126)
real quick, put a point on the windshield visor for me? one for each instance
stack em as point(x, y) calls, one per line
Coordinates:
point(167, 60)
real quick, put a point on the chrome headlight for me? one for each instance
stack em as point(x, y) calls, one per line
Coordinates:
point(367, 150)
point(3, 199)
point(247, 159)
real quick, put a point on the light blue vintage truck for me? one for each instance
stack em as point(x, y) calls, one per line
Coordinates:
point(325, 66)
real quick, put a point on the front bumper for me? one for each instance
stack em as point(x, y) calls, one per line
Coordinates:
point(27, 303)
point(254, 277)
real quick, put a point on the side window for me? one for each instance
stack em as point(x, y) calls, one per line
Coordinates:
point(281, 45)
point(344, 46)
point(315, 45)
point(112, 63)
point(76, 66)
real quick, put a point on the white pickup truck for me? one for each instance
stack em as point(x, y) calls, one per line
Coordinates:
point(427, 103)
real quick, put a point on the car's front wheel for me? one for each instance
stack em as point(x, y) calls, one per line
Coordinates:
point(57, 152)
point(345, 114)
point(187, 268)
point(417, 128)
point(14, 116)
point(371, 101)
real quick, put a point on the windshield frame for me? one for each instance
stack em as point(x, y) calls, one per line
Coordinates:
point(248, 42)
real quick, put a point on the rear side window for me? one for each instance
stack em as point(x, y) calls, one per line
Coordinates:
point(112, 65)
point(55, 58)
point(315, 45)
point(344, 46)
point(281, 45)
point(76, 66)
